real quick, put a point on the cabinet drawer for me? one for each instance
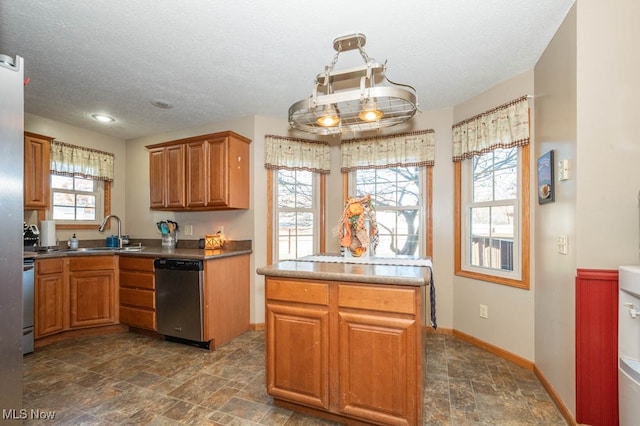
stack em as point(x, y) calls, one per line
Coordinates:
point(140, 318)
point(136, 263)
point(137, 297)
point(49, 266)
point(137, 279)
point(397, 300)
point(92, 263)
point(297, 291)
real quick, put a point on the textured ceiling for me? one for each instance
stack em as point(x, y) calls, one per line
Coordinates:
point(220, 60)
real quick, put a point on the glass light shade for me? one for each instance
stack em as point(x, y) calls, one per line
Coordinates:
point(329, 118)
point(370, 111)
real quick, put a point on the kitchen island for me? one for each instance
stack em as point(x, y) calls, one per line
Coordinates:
point(345, 341)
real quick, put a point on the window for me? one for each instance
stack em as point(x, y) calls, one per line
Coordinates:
point(75, 198)
point(493, 193)
point(296, 214)
point(80, 185)
point(399, 197)
point(491, 190)
point(492, 212)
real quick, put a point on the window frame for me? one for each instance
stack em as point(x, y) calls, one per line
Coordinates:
point(82, 225)
point(461, 243)
point(426, 235)
point(319, 180)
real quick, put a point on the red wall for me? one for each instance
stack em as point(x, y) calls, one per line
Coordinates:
point(597, 347)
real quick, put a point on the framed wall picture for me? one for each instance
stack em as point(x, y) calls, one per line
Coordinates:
point(546, 189)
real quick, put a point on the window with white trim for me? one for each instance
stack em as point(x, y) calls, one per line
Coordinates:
point(492, 186)
point(296, 213)
point(491, 213)
point(76, 200)
point(399, 199)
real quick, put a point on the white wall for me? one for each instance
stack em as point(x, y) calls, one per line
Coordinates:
point(555, 105)
point(442, 211)
point(82, 137)
point(608, 172)
point(510, 324)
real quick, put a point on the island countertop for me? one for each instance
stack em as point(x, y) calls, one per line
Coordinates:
point(341, 270)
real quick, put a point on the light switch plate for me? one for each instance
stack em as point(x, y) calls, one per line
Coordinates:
point(563, 170)
point(563, 244)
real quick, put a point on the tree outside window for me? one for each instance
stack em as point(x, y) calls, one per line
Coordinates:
point(398, 198)
point(493, 209)
point(296, 213)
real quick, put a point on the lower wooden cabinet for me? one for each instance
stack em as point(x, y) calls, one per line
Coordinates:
point(137, 293)
point(298, 342)
point(350, 350)
point(74, 293)
point(49, 297)
point(92, 291)
point(226, 298)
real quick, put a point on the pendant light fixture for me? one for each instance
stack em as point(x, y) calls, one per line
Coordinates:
point(353, 100)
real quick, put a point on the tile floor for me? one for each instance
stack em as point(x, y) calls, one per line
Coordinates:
point(130, 379)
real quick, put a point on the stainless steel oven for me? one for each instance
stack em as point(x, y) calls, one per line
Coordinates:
point(28, 277)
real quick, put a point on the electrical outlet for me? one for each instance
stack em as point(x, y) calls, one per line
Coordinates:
point(484, 311)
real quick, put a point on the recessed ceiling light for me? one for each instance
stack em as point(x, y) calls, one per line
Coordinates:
point(103, 118)
point(161, 104)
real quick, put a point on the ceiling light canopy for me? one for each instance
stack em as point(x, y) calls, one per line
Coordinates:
point(355, 99)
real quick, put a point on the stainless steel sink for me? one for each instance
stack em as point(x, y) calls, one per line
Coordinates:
point(90, 249)
point(102, 249)
point(131, 248)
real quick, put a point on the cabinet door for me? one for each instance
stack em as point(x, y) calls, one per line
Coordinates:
point(92, 297)
point(379, 330)
point(166, 177)
point(36, 172)
point(298, 354)
point(157, 178)
point(238, 167)
point(371, 343)
point(49, 304)
point(218, 178)
point(196, 174)
point(175, 176)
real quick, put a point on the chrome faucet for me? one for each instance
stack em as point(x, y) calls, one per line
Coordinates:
point(104, 223)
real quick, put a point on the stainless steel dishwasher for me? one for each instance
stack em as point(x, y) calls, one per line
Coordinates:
point(179, 299)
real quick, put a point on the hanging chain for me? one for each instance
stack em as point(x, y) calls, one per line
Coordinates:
point(364, 54)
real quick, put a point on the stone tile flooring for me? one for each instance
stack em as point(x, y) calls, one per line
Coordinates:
point(131, 379)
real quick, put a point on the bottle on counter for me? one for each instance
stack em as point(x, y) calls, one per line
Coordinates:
point(73, 242)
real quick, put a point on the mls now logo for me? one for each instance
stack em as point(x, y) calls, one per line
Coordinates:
point(23, 414)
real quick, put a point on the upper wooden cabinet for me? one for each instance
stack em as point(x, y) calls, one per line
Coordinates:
point(166, 177)
point(36, 171)
point(208, 172)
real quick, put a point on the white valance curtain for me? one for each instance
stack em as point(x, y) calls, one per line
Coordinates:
point(503, 127)
point(402, 149)
point(72, 160)
point(296, 154)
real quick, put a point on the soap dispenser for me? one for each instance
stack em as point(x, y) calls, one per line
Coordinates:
point(73, 242)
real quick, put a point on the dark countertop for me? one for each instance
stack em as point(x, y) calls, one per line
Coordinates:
point(147, 251)
point(352, 272)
